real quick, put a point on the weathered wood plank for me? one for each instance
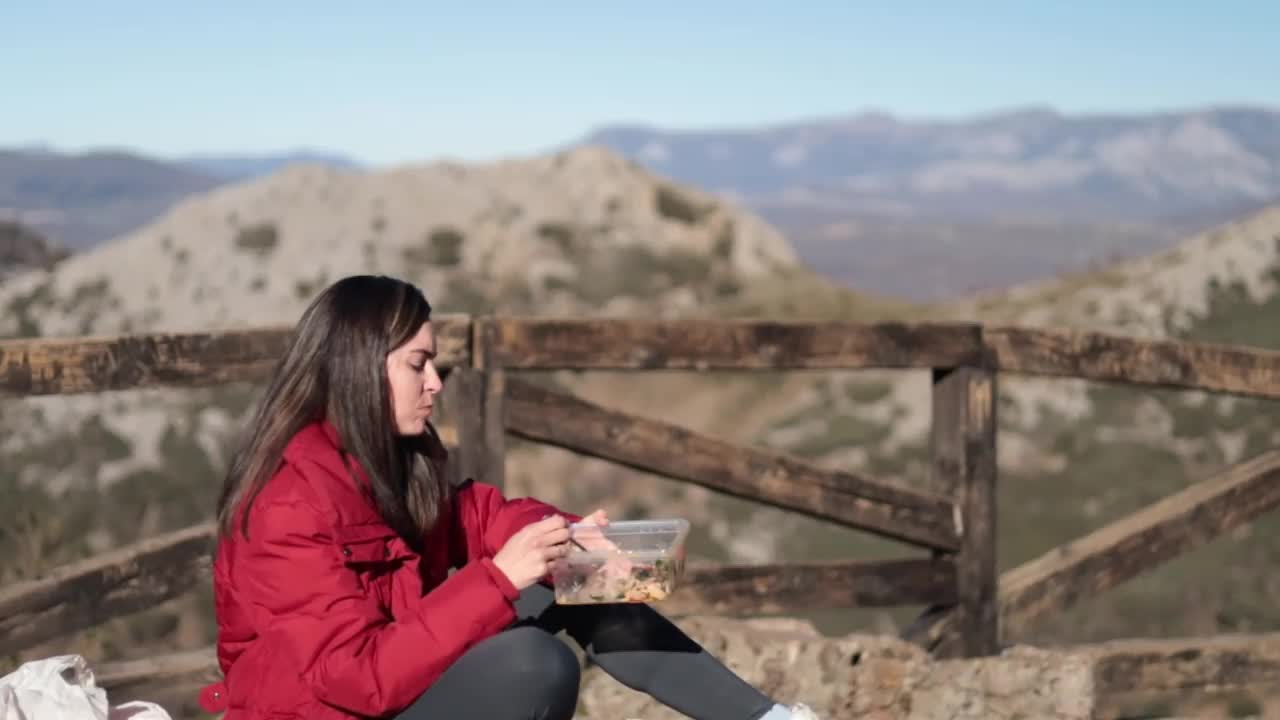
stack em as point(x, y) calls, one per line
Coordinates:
point(1129, 674)
point(630, 344)
point(964, 466)
point(86, 593)
point(1231, 369)
point(1122, 550)
point(81, 365)
point(768, 589)
point(565, 421)
point(78, 365)
point(1140, 542)
point(188, 667)
point(472, 405)
point(462, 406)
point(494, 408)
point(494, 469)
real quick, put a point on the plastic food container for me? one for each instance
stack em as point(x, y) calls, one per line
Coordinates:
point(628, 561)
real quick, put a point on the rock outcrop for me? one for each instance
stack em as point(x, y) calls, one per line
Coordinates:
point(868, 677)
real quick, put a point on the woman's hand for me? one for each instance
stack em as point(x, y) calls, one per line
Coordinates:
point(525, 558)
point(599, 517)
point(617, 564)
point(589, 538)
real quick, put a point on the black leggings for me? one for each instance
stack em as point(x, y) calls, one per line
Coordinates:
point(526, 673)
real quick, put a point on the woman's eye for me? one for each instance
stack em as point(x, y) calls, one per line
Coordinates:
point(417, 368)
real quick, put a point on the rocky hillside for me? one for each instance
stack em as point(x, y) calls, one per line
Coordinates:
point(561, 234)
point(1076, 455)
point(590, 232)
point(1199, 284)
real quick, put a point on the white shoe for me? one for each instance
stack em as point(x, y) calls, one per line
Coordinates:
point(802, 712)
point(795, 712)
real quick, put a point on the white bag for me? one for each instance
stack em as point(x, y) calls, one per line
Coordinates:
point(63, 688)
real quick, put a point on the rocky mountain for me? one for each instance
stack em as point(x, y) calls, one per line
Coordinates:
point(933, 208)
point(579, 231)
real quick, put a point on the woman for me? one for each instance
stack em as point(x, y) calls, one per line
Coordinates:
point(338, 532)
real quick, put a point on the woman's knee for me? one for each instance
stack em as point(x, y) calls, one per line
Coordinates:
point(534, 663)
point(629, 628)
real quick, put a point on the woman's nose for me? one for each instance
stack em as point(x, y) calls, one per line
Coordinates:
point(432, 383)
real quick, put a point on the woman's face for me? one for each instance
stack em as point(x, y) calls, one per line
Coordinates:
point(411, 373)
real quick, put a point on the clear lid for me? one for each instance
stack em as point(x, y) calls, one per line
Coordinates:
point(633, 537)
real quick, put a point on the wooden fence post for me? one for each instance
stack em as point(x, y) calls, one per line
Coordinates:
point(492, 436)
point(474, 404)
point(964, 467)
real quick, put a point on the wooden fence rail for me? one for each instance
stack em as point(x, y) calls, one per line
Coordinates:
point(971, 608)
point(565, 421)
point(139, 576)
point(77, 365)
point(123, 581)
point(624, 344)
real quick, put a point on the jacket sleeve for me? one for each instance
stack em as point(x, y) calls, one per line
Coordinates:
point(353, 655)
point(487, 519)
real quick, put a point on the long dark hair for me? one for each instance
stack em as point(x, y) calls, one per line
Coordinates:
point(335, 368)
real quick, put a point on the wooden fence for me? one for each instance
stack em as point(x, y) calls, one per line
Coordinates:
point(955, 574)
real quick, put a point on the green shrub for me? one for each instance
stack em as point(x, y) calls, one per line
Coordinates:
point(559, 233)
point(442, 248)
point(305, 289)
point(259, 239)
point(26, 307)
point(462, 296)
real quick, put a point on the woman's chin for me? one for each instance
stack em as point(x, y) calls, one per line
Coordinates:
point(417, 427)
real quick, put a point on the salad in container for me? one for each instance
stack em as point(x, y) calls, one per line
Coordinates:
point(626, 561)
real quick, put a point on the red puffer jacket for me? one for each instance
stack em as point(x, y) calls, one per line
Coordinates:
point(324, 612)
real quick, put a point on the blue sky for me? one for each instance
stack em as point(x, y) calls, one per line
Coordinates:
point(397, 82)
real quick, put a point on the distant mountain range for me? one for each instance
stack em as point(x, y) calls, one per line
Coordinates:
point(918, 209)
point(931, 208)
point(1029, 163)
point(239, 167)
